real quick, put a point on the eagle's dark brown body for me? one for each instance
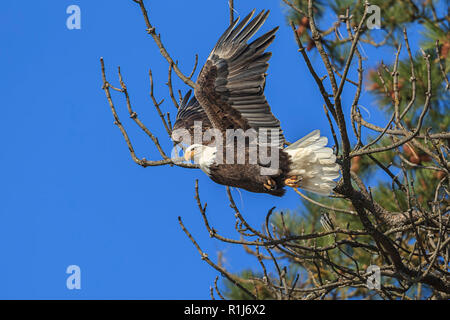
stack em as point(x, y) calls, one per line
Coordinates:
point(248, 176)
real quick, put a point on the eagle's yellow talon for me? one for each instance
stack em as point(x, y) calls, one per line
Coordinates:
point(293, 181)
point(270, 184)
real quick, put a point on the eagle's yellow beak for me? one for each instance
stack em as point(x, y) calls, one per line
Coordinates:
point(189, 155)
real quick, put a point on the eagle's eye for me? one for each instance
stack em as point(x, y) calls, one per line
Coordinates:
point(190, 153)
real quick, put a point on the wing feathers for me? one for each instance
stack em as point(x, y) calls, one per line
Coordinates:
point(232, 86)
point(189, 112)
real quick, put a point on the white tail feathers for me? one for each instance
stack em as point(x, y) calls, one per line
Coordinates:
point(314, 163)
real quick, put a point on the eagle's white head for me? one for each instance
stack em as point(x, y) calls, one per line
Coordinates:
point(203, 155)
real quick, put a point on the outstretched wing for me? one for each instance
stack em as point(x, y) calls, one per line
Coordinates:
point(230, 86)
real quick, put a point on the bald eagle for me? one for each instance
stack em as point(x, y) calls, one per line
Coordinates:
point(229, 95)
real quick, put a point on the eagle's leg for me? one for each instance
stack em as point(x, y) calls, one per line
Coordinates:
point(270, 184)
point(293, 181)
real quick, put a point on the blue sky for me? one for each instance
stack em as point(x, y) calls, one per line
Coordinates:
point(70, 193)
